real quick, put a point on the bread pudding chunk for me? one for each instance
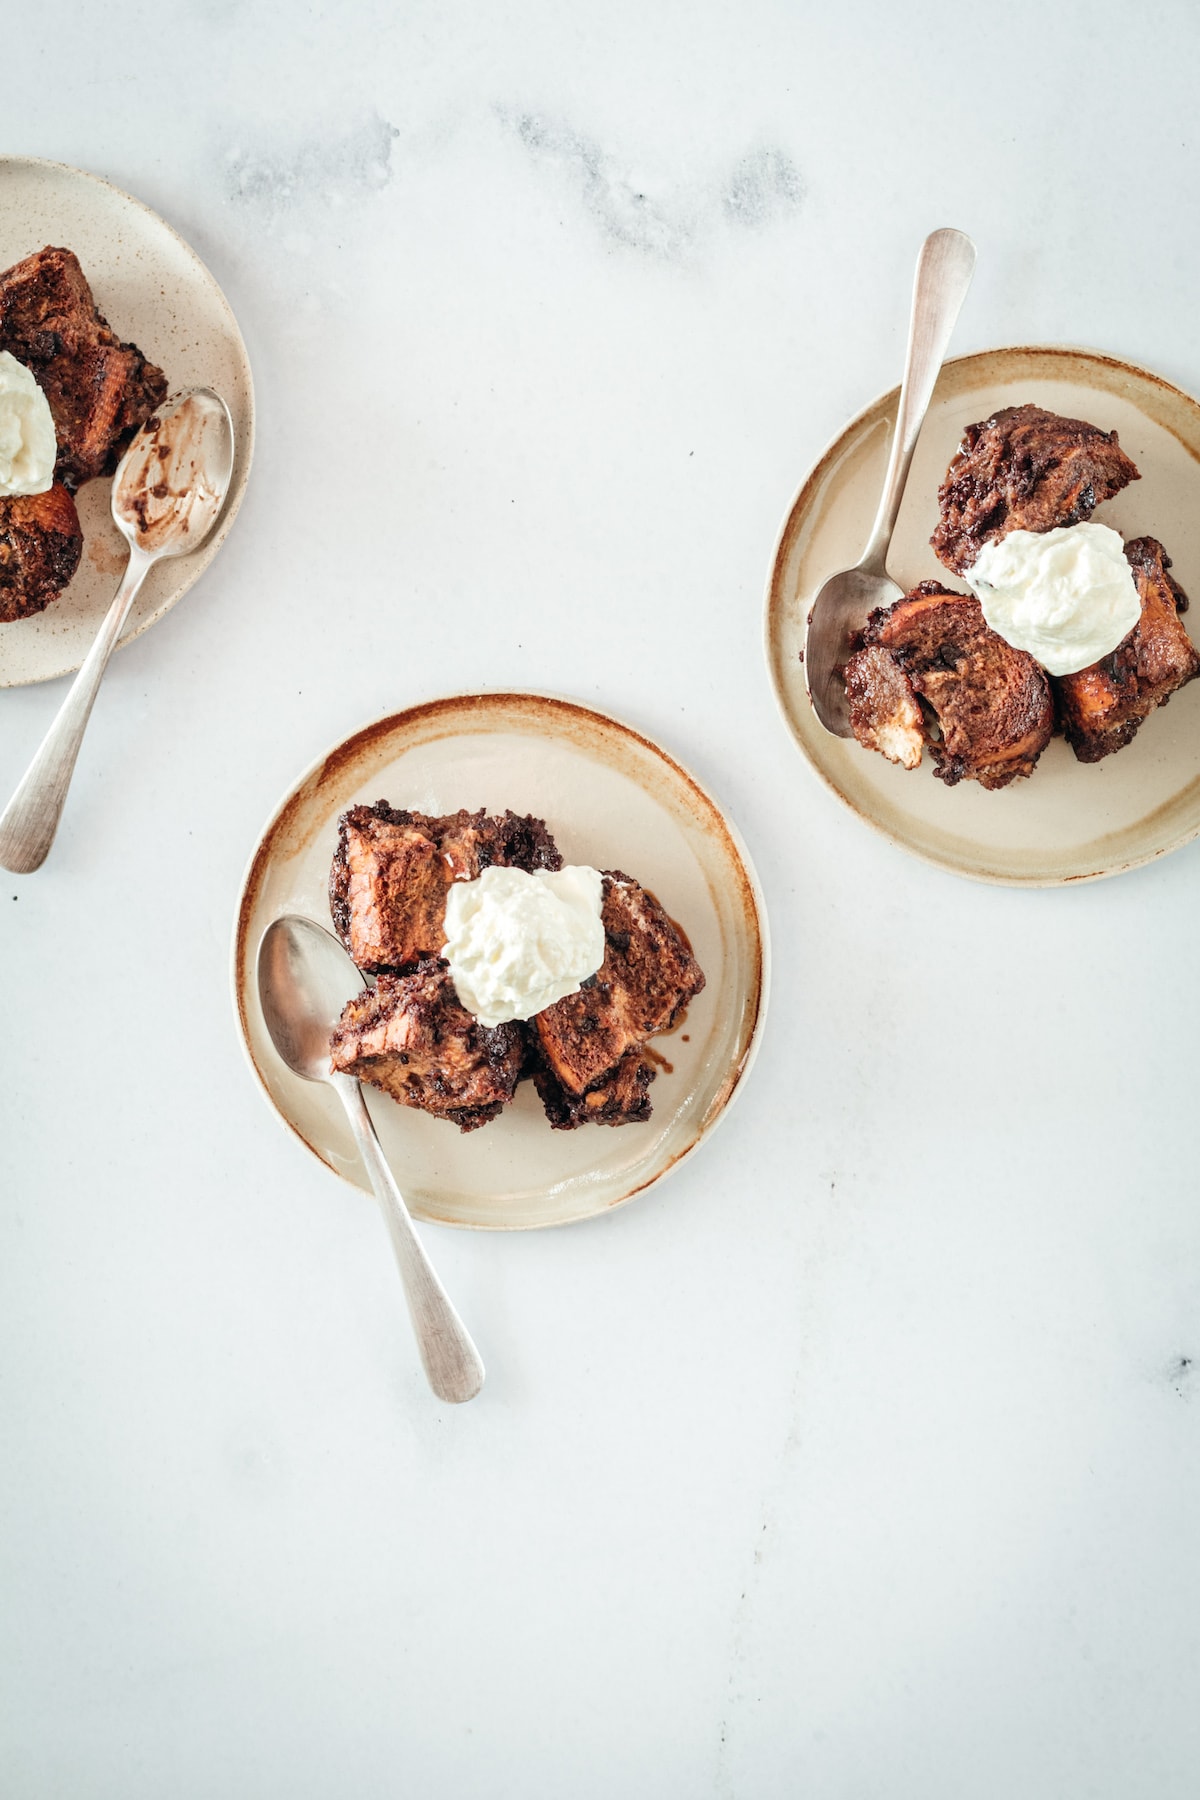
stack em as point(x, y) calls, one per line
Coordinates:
point(990, 713)
point(411, 1037)
point(41, 542)
point(885, 714)
point(621, 1097)
point(1024, 469)
point(647, 978)
point(100, 390)
point(393, 869)
point(1102, 706)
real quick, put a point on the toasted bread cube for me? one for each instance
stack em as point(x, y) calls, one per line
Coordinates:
point(100, 391)
point(647, 978)
point(619, 1098)
point(393, 869)
point(1103, 706)
point(411, 1037)
point(1024, 469)
point(41, 541)
point(991, 701)
point(885, 714)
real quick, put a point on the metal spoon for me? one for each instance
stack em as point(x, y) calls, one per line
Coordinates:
point(304, 980)
point(167, 492)
point(944, 269)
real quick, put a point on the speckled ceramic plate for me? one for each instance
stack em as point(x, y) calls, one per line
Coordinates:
point(613, 799)
point(155, 292)
point(1069, 821)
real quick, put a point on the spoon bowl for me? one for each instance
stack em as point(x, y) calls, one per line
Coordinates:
point(304, 980)
point(172, 481)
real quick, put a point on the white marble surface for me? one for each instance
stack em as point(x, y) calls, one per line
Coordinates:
point(860, 1458)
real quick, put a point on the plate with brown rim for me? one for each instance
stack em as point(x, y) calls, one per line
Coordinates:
point(613, 798)
point(155, 292)
point(1069, 821)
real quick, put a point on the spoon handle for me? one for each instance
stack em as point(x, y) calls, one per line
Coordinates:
point(452, 1363)
point(30, 820)
point(944, 268)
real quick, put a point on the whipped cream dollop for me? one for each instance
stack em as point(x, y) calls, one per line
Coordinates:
point(28, 445)
point(516, 942)
point(1067, 596)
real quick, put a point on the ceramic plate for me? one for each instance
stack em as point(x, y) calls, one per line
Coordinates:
point(1069, 821)
point(613, 799)
point(156, 293)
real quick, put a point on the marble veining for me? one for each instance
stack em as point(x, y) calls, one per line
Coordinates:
point(660, 217)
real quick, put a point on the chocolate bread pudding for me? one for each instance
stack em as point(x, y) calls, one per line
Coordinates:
point(1102, 706)
point(41, 541)
point(929, 671)
point(100, 390)
point(410, 1036)
point(1016, 506)
point(392, 870)
point(413, 1037)
point(1024, 469)
point(647, 978)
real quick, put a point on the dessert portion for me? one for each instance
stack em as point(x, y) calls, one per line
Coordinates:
point(393, 869)
point(1024, 469)
point(71, 397)
point(1067, 627)
point(1102, 706)
point(930, 672)
point(495, 963)
point(411, 1036)
point(100, 390)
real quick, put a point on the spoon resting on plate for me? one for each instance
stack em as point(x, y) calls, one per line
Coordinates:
point(944, 269)
point(304, 980)
point(168, 490)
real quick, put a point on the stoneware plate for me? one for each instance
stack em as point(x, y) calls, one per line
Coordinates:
point(156, 293)
point(1069, 821)
point(613, 799)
